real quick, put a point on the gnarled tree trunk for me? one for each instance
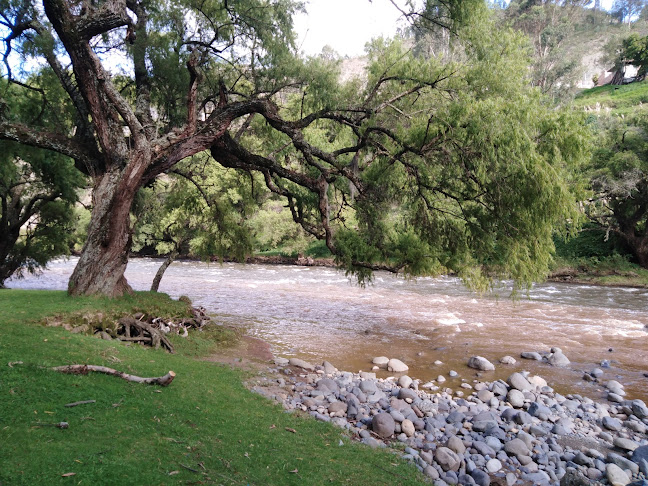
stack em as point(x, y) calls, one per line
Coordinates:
point(104, 257)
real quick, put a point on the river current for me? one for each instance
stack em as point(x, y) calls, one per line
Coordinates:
point(318, 313)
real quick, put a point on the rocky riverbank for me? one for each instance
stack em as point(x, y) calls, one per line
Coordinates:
point(505, 432)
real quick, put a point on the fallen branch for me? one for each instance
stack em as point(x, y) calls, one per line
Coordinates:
point(74, 404)
point(79, 369)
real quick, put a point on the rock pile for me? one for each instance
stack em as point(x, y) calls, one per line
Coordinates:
point(518, 430)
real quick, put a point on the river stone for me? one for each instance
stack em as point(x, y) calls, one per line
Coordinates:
point(404, 381)
point(432, 473)
point(300, 363)
point(493, 465)
point(383, 424)
point(326, 384)
point(338, 408)
point(519, 382)
point(368, 387)
point(640, 453)
point(456, 445)
point(537, 381)
point(408, 428)
point(480, 363)
point(405, 393)
point(639, 409)
point(328, 368)
point(380, 361)
point(447, 459)
point(558, 359)
point(612, 423)
point(396, 366)
point(480, 477)
point(485, 395)
point(616, 476)
point(508, 360)
point(627, 444)
point(515, 398)
point(622, 462)
point(531, 355)
point(574, 477)
point(516, 447)
point(484, 449)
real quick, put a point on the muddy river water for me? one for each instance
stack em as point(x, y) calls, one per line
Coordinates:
point(317, 313)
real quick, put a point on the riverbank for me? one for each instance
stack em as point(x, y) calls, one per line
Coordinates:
point(204, 428)
point(518, 431)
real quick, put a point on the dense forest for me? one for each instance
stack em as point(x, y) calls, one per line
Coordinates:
point(476, 142)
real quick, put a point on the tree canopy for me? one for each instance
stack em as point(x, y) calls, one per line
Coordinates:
point(429, 164)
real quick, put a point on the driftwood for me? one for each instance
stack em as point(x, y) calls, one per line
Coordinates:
point(140, 331)
point(79, 369)
point(83, 402)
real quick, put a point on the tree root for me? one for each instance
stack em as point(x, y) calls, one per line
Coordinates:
point(79, 369)
point(140, 331)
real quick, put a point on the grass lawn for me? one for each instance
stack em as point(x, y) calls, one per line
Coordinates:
point(205, 428)
point(621, 100)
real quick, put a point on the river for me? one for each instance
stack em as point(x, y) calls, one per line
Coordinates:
point(318, 313)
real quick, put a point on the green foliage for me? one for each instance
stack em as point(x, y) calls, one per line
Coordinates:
point(619, 178)
point(205, 421)
point(620, 100)
point(37, 193)
point(201, 213)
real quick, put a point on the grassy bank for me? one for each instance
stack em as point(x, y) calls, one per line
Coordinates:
point(205, 428)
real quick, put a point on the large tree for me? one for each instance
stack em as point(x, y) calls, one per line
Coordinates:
point(619, 179)
point(426, 165)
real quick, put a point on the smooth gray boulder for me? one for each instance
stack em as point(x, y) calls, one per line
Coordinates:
point(519, 382)
point(616, 476)
point(396, 366)
point(383, 424)
point(480, 363)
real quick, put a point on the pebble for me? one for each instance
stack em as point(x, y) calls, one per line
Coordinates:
point(396, 366)
point(478, 437)
point(480, 363)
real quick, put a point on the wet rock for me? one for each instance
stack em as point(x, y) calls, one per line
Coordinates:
point(558, 359)
point(480, 363)
point(531, 355)
point(329, 369)
point(383, 425)
point(396, 366)
point(508, 360)
point(380, 361)
point(616, 476)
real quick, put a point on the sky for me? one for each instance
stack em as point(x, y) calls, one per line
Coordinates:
point(346, 25)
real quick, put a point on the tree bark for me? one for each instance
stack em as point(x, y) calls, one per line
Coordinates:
point(104, 257)
point(160, 273)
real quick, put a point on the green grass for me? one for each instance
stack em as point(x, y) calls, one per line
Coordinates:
point(614, 270)
point(205, 428)
point(621, 100)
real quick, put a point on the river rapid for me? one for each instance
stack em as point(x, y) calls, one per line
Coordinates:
point(317, 313)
